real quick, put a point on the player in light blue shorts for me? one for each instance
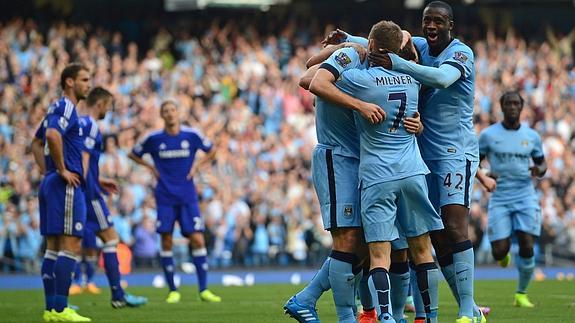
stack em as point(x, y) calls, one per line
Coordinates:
point(448, 143)
point(513, 206)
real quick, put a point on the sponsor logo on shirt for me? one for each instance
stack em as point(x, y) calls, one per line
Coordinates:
point(460, 57)
point(342, 59)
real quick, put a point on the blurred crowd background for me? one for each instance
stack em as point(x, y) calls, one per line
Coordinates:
point(236, 79)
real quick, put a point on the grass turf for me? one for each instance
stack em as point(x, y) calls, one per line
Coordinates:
point(263, 303)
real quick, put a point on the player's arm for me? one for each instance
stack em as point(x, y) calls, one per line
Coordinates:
point(109, 185)
point(323, 85)
point(540, 165)
point(438, 77)
point(141, 161)
point(338, 36)
point(37, 148)
point(55, 144)
point(85, 163)
point(486, 179)
point(210, 154)
point(305, 80)
point(326, 52)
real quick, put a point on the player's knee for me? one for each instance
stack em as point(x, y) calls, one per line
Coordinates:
point(197, 241)
point(346, 240)
point(380, 254)
point(441, 243)
point(499, 250)
point(420, 249)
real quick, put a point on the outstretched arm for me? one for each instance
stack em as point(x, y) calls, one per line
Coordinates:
point(438, 77)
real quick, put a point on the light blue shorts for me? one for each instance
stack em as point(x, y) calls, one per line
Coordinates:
point(335, 179)
point(506, 218)
point(450, 181)
point(404, 201)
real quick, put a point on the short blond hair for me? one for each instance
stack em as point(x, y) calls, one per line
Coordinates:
point(387, 35)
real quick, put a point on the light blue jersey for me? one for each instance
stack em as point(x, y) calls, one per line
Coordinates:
point(388, 152)
point(335, 160)
point(335, 125)
point(509, 153)
point(447, 114)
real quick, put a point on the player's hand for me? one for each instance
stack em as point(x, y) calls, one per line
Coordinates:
point(536, 171)
point(191, 174)
point(154, 171)
point(70, 178)
point(489, 183)
point(380, 58)
point(109, 186)
point(372, 112)
point(334, 38)
point(413, 124)
point(361, 51)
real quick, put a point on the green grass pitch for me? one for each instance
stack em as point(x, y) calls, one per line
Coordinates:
point(263, 303)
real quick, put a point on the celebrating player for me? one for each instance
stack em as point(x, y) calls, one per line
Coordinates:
point(337, 137)
point(61, 195)
point(513, 207)
point(98, 219)
point(173, 150)
point(391, 172)
point(448, 144)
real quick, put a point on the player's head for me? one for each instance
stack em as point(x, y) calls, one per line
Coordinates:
point(511, 105)
point(407, 50)
point(169, 112)
point(100, 100)
point(75, 80)
point(385, 35)
point(437, 23)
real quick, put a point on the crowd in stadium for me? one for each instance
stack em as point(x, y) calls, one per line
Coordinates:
point(241, 90)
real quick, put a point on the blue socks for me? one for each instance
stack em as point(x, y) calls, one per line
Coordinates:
point(317, 286)
point(112, 267)
point(167, 258)
point(378, 283)
point(63, 270)
point(428, 284)
point(199, 258)
point(525, 266)
point(463, 261)
point(399, 279)
point(48, 280)
point(364, 293)
point(342, 281)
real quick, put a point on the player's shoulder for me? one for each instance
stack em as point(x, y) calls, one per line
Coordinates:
point(419, 42)
point(153, 135)
point(492, 129)
point(64, 107)
point(458, 46)
point(345, 57)
point(531, 132)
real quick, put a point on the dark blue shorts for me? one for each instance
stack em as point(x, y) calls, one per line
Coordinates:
point(187, 215)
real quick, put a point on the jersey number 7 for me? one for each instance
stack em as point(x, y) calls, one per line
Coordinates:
point(402, 97)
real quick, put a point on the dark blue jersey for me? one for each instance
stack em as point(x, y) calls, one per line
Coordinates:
point(173, 157)
point(62, 116)
point(94, 145)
